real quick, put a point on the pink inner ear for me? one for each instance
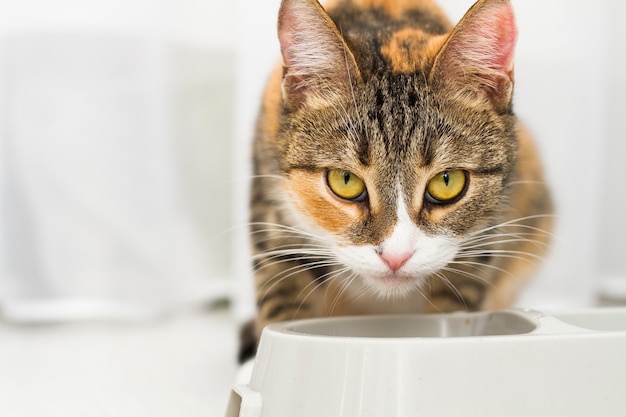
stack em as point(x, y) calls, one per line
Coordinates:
point(318, 66)
point(484, 41)
point(491, 38)
point(477, 60)
point(506, 32)
point(286, 35)
point(308, 44)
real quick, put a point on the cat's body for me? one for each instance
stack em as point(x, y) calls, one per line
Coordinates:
point(391, 175)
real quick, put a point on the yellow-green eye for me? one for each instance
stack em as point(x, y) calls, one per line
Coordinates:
point(345, 184)
point(447, 186)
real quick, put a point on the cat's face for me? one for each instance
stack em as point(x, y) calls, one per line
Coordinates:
point(394, 169)
point(394, 183)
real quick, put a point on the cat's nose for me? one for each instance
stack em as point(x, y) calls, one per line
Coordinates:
point(395, 261)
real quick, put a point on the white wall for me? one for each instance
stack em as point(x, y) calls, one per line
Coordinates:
point(115, 156)
point(612, 200)
point(208, 23)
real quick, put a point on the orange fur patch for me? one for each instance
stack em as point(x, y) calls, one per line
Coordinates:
point(412, 49)
point(312, 197)
point(439, 213)
point(395, 8)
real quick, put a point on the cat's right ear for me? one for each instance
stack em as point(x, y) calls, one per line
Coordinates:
point(318, 67)
point(475, 64)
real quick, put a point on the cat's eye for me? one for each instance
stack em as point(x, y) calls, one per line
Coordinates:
point(346, 185)
point(447, 186)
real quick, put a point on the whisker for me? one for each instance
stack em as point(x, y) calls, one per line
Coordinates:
point(511, 254)
point(516, 223)
point(508, 238)
point(312, 263)
point(317, 283)
point(290, 272)
point(443, 278)
point(343, 289)
point(486, 248)
point(468, 275)
point(280, 228)
point(290, 250)
point(479, 266)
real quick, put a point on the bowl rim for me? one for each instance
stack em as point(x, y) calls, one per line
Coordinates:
point(293, 329)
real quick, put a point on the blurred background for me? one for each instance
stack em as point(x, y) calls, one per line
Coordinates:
point(124, 167)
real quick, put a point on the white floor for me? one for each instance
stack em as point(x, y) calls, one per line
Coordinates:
point(181, 366)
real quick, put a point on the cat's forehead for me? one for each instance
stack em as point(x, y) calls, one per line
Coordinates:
point(403, 121)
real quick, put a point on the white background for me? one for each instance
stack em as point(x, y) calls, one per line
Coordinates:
point(125, 129)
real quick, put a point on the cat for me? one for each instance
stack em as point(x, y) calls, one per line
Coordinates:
point(390, 172)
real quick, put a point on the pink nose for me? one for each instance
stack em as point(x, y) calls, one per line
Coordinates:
point(395, 261)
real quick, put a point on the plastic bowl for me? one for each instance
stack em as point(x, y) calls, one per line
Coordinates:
point(511, 362)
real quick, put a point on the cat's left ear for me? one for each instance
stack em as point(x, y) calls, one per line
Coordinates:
point(475, 64)
point(319, 68)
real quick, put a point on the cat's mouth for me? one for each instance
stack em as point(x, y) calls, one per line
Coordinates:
point(395, 279)
point(394, 284)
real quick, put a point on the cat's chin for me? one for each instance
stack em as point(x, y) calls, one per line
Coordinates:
point(393, 285)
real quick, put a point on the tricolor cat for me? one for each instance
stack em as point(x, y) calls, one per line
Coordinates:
point(391, 174)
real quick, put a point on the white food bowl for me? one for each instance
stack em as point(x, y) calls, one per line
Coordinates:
point(503, 363)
